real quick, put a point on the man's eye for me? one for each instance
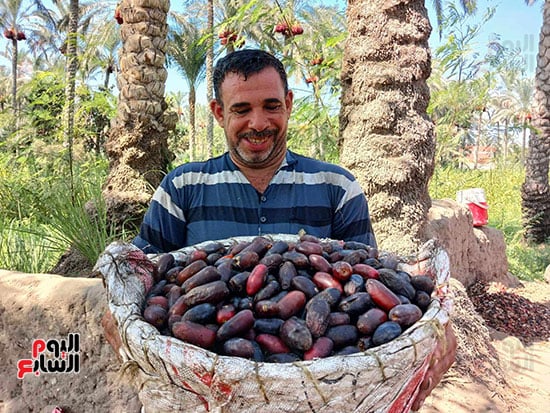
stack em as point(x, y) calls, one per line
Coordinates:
point(273, 108)
point(240, 111)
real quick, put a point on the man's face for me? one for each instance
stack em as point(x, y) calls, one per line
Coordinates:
point(254, 116)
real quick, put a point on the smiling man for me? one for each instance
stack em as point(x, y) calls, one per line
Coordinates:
point(259, 186)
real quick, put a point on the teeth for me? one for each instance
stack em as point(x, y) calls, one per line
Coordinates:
point(256, 140)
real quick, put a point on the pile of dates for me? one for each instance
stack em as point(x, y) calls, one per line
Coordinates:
point(278, 301)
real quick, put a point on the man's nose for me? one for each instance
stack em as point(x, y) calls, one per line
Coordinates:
point(258, 121)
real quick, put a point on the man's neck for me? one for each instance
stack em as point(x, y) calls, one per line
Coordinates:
point(260, 178)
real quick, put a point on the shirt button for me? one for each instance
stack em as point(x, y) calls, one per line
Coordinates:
point(263, 198)
point(263, 219)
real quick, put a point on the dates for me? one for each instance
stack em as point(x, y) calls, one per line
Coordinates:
point(282, 302)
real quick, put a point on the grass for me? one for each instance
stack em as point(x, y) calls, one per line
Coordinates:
point(502, 189)
point(41, 217)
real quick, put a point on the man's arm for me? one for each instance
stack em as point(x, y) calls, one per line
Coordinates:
point(163, 228)
point(352, 219)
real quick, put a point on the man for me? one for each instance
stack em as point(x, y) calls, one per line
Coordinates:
point(258, 186)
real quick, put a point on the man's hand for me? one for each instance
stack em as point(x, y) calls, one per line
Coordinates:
point(110, 330)
point(442, 359)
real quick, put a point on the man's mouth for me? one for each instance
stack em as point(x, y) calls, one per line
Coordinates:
point(256, 141)
point(257, 138)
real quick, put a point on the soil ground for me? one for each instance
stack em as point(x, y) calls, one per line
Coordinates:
point(526, 370)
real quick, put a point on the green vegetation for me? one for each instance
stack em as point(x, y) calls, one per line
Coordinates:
point(40, 218)
point(502, 190)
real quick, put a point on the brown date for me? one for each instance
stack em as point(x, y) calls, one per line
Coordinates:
point(317, 317)
point(239, 347)
point(246, 260)
point(322, 347)
point(324, 280)
point(272, 344)
point(365, 271)
point(382, 296)
point(190, 270)
point(158, 300)
point(287, 271)
point(206, 275)
point(296, 335)
point(194, 333)
point(155, 315)
point(256, 279)
point(212, 293)
point(225, 312)
point(405, 314)
point(370, 320)
point(238, 324)
point(291, 304)
point(309, 247)
point(320, 263)
point(342, 270)
point(424, 283)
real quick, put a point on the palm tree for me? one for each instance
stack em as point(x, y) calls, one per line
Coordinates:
point(387, 138)
point(137, 143)
point(102, 52)
point(188, 53)
point(18, 18)
point(71, 67)
point(513, 104)
point(535, 192)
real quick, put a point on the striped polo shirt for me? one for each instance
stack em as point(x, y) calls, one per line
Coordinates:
point(213, 200)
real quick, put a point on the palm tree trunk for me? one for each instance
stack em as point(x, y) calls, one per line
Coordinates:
point(137, 143)
point(209, 78)
point(535, 193)
point(192, 128)
point(506, 139)
point(387, 139)
point(523, 141)
point(478, 140)
point(14, 59)
point(71, 67)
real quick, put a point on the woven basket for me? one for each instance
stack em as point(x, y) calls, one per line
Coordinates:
point(176, 376)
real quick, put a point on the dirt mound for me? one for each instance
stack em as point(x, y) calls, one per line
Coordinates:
point(49, 307)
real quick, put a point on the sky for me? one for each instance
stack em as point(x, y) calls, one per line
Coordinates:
point(517, 24)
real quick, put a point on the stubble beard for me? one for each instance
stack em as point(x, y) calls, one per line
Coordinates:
point(258, 159)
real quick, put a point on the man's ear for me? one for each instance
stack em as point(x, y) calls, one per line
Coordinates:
point(288, 102)
point(217, 111)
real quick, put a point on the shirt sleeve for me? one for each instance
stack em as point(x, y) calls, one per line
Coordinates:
point(164, 227)
point(352, 219)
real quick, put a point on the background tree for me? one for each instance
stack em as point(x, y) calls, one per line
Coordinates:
point(512, 102)
point(535, 192)
point(188, 53)
point(16, 16)
point(137, 142)
point(71, 67)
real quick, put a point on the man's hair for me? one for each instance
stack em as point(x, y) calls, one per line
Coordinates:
point(246, 62)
